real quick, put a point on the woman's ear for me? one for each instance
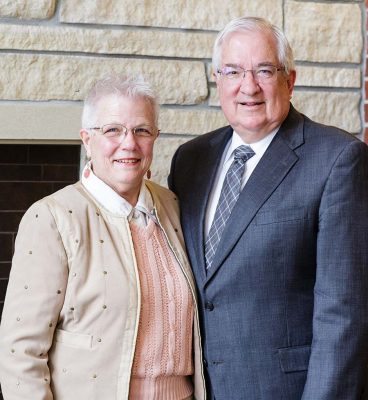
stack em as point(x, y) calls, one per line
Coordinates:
point(86, 137)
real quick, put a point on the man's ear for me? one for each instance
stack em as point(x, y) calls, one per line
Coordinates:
point(86, 137)
point(291, 81)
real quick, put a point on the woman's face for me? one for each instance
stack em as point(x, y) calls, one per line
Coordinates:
point(121, 163)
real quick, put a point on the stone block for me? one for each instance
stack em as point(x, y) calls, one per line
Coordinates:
point(190, 121)
point(40, 122)
point(328, 77)
point(209, 71)
point(186, 14)
point(51, 77)
point(27, 9)
point(107, 41)
point(163, 151)
point(331, 108)
point(324, 32)
point(214, 98)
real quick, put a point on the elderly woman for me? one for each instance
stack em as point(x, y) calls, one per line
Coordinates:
point(101, 301)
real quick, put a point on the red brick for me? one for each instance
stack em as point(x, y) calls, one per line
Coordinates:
point(54, 154)
point(59, 185)
point(9, 221)
point(60, 173)
point(18, 196)
point(3, 286)
point(6, 246)
point(4, 269)
point(13, 153)
point(366, 112)
point(20, 172)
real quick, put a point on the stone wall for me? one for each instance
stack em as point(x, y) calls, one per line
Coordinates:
point(52, 50)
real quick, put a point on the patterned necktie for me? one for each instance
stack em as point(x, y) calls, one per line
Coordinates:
point(229, 195)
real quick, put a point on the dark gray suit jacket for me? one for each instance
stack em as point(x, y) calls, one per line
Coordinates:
point(284, 307)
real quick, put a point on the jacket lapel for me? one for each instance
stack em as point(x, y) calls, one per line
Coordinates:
point(269, 173)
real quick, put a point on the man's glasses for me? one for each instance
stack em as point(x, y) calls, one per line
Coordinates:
point(261, 74)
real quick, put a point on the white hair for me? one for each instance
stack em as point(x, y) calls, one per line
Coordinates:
point(254, 24)
point(133, 86)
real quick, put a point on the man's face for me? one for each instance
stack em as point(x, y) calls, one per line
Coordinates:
point(121, 164)
point(253, 109)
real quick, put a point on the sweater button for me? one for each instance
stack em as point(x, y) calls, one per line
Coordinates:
point(209, 306)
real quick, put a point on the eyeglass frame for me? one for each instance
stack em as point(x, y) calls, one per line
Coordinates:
point(253, 71)
point(125, 131)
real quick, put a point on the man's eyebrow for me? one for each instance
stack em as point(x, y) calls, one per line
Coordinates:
point(233, 65)
point(260, 64)
point(265, 64)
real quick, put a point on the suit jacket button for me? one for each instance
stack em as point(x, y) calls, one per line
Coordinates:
point(209, 306)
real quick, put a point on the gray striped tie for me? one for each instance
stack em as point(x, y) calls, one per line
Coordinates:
point(229, 195)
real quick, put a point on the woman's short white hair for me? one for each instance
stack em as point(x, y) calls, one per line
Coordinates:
point(132, 86)
point(254, 24)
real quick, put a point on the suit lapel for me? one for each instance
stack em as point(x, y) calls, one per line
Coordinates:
point(206, 167)
point(269, 173)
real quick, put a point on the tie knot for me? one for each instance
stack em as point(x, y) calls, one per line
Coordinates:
point(243, 153)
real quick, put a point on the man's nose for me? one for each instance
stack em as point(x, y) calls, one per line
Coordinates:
point(248, 82)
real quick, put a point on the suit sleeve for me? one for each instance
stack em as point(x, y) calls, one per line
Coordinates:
point(338, 362)
point(170, 179)
point(33, 301)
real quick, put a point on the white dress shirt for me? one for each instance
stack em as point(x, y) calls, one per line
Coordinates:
point(227, 158)
point(116, 204)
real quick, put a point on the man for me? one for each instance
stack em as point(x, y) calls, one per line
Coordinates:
point(282, 267)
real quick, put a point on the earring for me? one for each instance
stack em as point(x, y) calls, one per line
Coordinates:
point(149, 174)
point(86, 172)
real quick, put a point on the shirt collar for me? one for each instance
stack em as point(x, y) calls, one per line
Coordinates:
point(111, 200)
point(257, 147)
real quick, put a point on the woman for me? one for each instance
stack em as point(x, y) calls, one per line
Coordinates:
point(100, 302)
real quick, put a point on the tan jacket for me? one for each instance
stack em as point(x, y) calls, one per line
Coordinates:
point(71, 312)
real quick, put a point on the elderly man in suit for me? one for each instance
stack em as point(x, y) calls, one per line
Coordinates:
point(274, 209)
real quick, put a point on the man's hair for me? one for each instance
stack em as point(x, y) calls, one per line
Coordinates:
point(133, 86)
point(254, 24)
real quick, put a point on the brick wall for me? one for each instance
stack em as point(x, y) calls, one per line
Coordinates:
point(28, 173)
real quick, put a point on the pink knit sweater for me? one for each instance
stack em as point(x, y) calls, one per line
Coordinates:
point(163, 364)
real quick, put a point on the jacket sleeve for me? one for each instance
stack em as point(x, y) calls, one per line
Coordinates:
point(338, 362)
point(171, 177)
point(33, 301)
